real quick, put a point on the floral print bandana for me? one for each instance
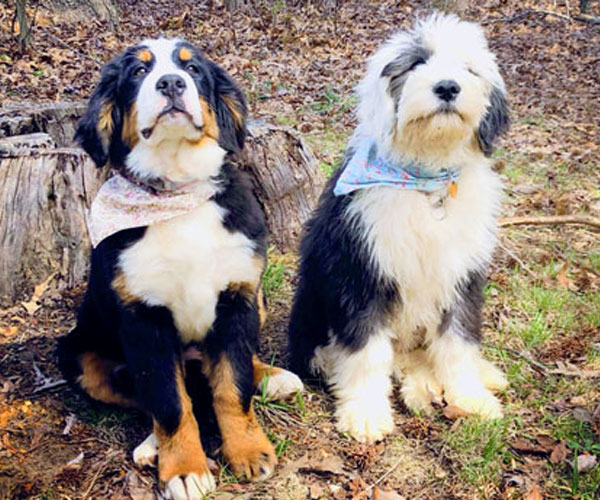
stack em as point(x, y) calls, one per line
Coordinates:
point(122, 204)
point(365, 169)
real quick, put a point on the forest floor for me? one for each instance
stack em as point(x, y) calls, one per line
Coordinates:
point(298, 67)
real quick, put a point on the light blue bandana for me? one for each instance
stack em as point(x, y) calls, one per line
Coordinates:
point(365, 170)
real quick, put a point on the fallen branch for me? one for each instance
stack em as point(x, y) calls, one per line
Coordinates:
point(516, 258)
point(526, 13)
point(587, 19)
point(585, 220)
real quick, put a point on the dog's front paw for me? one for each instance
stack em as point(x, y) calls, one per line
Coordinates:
point(190, 486)
point(251, 455)
point(491, 376)
point(420, 388)
point(283, 384)
point(146, 452)
point(477, 401)
point(365, 423)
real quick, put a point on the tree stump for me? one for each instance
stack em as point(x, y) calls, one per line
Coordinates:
point(286, 179)
point(46, 189)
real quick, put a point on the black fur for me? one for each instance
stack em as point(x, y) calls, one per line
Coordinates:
point(465, 315)
point(399, 69)
point(495, 122)
point(338, 288)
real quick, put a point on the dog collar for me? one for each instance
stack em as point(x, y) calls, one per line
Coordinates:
point(124, 204)
point(366, 170)
point(157, 185)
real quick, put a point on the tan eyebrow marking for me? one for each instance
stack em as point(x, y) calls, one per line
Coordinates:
point(185, 54)
point(145, 56)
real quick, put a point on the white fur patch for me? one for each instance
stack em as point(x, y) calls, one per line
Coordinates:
point(190, 487)
point(427, 256)
point(146, 452)
point(184, 264)
point(283, 384)
point(150, 102)
point(361, 383)
point(457, 365)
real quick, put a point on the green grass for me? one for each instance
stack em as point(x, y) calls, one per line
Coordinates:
point(480, 448)
point(334, 102)
point(274, 275)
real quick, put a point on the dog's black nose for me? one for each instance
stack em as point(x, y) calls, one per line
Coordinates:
point(447, 90)
point(170, 85)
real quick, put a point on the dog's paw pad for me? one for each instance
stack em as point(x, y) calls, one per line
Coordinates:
point(283, 384)
point(146, 452)
point(190, 487)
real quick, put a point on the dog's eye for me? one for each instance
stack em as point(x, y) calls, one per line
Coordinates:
point(192, 68)
point(473, 72)
point(418, 62)
point(141, 71)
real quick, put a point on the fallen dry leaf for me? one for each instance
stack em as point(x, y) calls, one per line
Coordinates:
point(454, 412)
point(33, 305)
point(562, 280)
point(533, 493)
point(316, 491)
point(386, 495)
point(559, 453)
point(328, 465)
point(586, 463)
point(9, 331)
point(137, 488)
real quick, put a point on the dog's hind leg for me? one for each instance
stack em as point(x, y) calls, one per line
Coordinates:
point(153, 354)
point(91, 360)
point(307, 329)
point(229, 349)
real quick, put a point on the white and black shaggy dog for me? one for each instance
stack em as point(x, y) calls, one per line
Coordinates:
point(171, 315)
point(393, 262)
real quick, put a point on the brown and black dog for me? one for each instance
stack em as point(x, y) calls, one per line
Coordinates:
point(178, 286)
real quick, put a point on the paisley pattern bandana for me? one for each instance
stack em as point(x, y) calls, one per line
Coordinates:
point(365, 170)
point(122, 204)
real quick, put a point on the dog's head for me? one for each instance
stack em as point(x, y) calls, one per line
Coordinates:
point(433, 89)
point(155, 97)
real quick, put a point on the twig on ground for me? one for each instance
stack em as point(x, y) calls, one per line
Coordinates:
point(524, 266)
point(587, 19)
point(101, 468)
point(526, 13)
point(53, 384)
point(526, 355)
point(585, 220)
point(384, 475)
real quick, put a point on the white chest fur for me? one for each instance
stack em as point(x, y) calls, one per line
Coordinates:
point(425, 251)
point(185, 262)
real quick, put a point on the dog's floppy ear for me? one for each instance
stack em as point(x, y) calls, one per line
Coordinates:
point(102, 116)
point(231, 111)
point(495, 121)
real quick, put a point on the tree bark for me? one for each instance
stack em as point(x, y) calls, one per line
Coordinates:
point(286, 179)
point(45, 193)
point(84, 10)
point(46, 189)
